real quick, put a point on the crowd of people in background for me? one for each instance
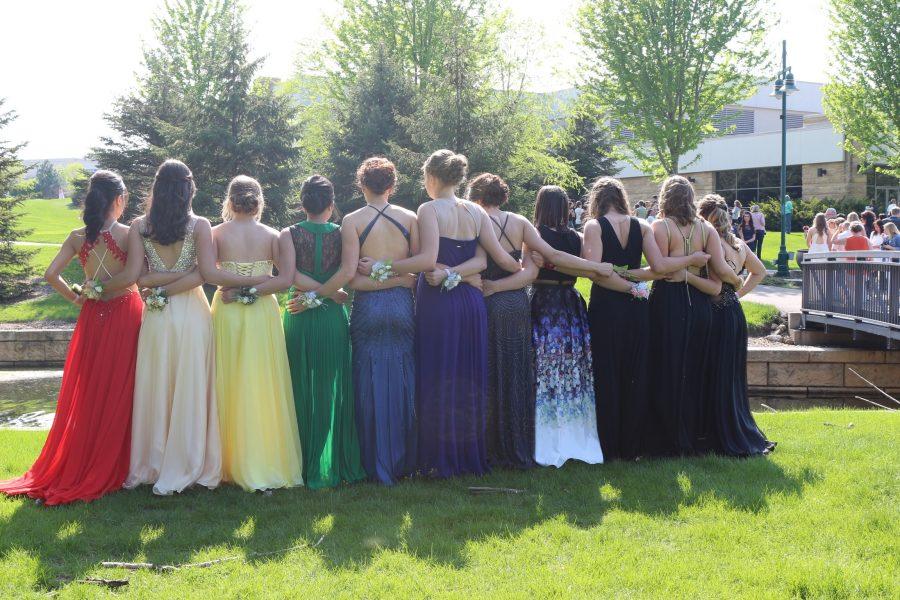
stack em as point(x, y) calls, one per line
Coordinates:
point(833, 232)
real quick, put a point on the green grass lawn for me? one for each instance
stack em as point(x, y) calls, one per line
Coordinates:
point(818, 519)
point(772, 242)
point(50, 220)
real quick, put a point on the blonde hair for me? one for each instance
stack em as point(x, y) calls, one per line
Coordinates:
point(890, 225)
point(853, 217)
point(244, 196)
point(714, 209)
point(676, 200)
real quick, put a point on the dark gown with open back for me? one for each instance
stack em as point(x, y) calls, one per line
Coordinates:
point(735, 432)
point(451, 375)
point(511, 402)
point(382, 329)
point(680, 319)
point(620, 346)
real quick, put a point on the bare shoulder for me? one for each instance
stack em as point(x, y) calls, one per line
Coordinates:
point(270, 231)
point(352, 217)
point(473, 206)
point(404, 211)
point(422, 207)
point(76, 237)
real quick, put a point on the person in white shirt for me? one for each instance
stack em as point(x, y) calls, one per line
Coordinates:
point(579, 210)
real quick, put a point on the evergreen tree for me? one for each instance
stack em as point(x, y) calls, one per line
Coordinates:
point(198, 101)
point(16, 271)
point(47, 180)
point(587, 147)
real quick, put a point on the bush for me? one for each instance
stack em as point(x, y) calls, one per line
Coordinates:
point(806, 209)
point(24, 189)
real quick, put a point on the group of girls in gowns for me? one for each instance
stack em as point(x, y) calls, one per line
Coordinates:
point(467, 349)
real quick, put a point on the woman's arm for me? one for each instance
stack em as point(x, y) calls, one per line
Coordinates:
point(487, 239)
point(710, 287)
point(183, 284)
point(285, 262)
point(516, 281)
point(473, 266)
point(717, 258)
point(53, 273)
point(206, 260)
point(150, 279)
point(364, 283)
point(592, 249)
point(756, 270)
point(349, 263)
point(134, 265)
point(563, 260)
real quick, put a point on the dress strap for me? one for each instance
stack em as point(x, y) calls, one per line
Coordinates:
point(503, 231)
point(382, 213)
point(474, 218)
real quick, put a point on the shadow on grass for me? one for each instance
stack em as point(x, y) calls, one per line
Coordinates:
point(426, 519)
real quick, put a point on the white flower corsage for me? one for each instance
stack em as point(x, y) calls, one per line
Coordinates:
point(381, 271)
point(640, 290)
point(157, 299)
point(453, 279)
point(247, 295)
point(309, 300)
point(92, 290)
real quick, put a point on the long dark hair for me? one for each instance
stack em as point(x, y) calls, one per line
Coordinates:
point(316, 195)
point(103, 189)
point(168, 208)
point(551, 207)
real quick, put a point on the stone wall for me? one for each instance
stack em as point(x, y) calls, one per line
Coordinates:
point(644, 188)
point(799, 376)
point(34, 347)
point(840, 181)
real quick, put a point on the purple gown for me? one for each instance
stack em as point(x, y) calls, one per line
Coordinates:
point(451, 379)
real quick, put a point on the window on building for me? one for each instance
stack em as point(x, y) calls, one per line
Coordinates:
point(882, 189)
point(794, 121)
point(753, 185)
point(740, 121)
point(624, 134)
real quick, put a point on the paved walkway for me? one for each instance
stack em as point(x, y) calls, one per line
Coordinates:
point(786, 299)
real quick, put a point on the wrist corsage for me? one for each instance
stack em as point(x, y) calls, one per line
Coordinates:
point(640, 290)
point(309, 300)
point(92, 290)
point(453, 279)
point(157, 299)
point(247, 295)
point(381, 271)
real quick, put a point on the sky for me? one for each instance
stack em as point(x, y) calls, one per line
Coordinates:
point(64, 62)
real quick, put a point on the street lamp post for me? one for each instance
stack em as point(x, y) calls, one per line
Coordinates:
point(784, 86)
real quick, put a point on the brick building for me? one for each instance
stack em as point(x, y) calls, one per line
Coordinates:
point(744, 164)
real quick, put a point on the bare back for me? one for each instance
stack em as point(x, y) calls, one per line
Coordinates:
point(459, 220)
point(389, 232)
point(734, 258)
point(245, 241)
point(510, 229)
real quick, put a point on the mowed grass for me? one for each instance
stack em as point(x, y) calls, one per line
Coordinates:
point(772, 243)
point(817, 519)
point(50, 219)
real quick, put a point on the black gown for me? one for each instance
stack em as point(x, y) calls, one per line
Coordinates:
point(510, 407)
point(620, 342)
point(680, 319)
point(734, 431)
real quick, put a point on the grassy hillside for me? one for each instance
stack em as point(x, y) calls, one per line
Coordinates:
point(817, 519)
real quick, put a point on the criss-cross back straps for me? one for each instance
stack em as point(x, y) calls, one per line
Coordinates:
point(503, 231)
point(382, 213)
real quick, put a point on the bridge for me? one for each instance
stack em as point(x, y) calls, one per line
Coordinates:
point(856, 291)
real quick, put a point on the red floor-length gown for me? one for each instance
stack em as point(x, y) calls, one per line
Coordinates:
point(86, 453)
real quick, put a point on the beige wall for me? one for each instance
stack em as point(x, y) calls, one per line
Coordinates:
point(644, 188)
point(840, 181)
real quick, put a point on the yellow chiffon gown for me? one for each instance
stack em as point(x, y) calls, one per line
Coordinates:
point(257, 418)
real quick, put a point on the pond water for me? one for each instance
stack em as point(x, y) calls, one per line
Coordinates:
point(28, 398)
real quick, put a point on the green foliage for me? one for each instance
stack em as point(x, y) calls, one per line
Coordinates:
point(47, 180)
point(406, 78)
point(78, 185)
point(15, 267)
point(586, 145)
point(662, 68)
point(817, 519)
point(863, 97)
point(198, 101)
point(806, 209)
point(24, 189)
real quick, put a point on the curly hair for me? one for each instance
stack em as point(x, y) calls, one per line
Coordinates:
point(244, 196)
point(168, 207)
point(714, 209)
point(607, 194)
point(376, 174)
point(676, 200)
point(447, 167)
point(488, 190)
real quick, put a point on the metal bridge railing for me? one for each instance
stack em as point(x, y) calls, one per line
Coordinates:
point(854, 290)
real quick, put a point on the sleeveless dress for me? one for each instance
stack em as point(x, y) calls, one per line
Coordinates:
point(566, 418)
point(318, 350)
point(510, 361)
point(620, 346)
point(815, 246)
point(260, 443)
point(451, 375)
point(680, 321)
point(735, 432)
point(382, 329)
point(175, 423)
point(86, 452)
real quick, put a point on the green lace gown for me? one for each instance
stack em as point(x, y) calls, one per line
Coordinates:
point(318, 347)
